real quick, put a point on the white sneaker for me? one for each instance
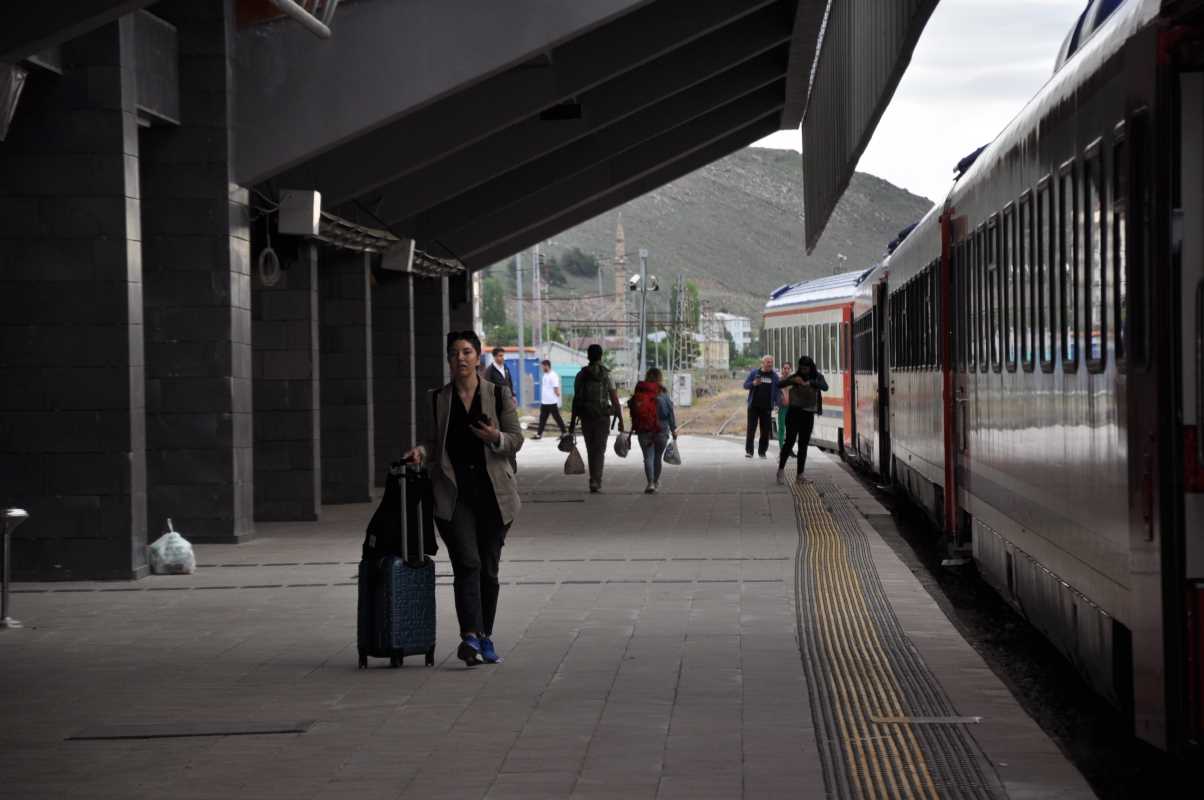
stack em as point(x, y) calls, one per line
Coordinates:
point(650, 488)
point(781, 477)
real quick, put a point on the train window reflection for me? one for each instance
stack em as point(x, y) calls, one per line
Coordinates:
point(1120, 192)
point(1093, 252)
point(994, 318)
point(1007, 279)
point(1025, 290)
point(1068, 252)
point(1047, 272)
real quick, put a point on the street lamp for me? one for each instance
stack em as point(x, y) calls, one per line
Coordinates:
point(643, 283)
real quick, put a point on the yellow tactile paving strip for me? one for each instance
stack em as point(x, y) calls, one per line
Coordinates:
point(864, 708)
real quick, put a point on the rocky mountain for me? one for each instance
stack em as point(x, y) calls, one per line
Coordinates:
point(735, 228)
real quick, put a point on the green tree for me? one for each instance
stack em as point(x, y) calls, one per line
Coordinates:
point(578, 262)
point(493, 302)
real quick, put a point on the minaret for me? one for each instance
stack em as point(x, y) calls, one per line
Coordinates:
point(620, 265)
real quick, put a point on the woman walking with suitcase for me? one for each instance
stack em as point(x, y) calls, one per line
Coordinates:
point(653, 421)
point(476, 499)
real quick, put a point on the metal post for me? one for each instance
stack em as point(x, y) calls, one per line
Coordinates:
point(537, 310)
point(639, 370)
point(518, 276)
point(13, 517)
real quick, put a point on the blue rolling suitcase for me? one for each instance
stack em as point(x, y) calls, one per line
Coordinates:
point(396, 608)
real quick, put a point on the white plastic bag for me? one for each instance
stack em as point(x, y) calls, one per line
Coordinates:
point(672, 454)
point(623, 444)
point(171, 554)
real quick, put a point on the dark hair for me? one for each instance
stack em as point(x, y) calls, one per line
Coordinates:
point(464, 336)
point(546, 363)
point(499, 351)
point(594, 352)
point(806, 361)
point(653, 375)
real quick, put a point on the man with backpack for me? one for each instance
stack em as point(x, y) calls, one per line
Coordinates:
point(596, 402)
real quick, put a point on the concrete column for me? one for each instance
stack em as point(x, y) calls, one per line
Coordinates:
point(431, 324)
point(198, 304)
point(72, 406)
point(288, 453)
point(393, 389)
point(346, 384)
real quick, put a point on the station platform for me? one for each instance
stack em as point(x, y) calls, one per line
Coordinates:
point(724, 638)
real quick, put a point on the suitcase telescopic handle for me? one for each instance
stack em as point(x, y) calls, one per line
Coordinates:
point(404, 511)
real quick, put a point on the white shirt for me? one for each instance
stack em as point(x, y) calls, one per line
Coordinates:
point(549, 389)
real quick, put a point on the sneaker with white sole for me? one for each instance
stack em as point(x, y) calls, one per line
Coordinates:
point(781, 477)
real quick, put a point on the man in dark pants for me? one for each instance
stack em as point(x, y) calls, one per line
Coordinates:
point(549, 399)
point(596, 402)
point(763, 397)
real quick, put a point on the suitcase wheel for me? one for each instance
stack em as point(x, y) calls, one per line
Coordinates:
point(395, 661)
point(363, 660)
point(430, 657)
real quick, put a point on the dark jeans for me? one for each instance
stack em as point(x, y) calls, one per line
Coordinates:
point(547, 410)
point(595, 432)
point(758, 416)
point(799, 425)
point(474, 537)
point(653, 446)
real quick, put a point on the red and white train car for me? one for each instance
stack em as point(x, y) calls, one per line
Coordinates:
point(812, 318)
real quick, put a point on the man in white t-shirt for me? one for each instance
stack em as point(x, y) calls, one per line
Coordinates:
point(549, 399)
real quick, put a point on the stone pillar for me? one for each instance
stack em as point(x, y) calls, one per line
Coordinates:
point(346, 384)
point(393, 389)
point(198, 304)
point(431, 324)
point(288, 453)
point(72, 407)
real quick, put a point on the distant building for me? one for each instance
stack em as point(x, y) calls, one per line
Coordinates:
point(739, 327)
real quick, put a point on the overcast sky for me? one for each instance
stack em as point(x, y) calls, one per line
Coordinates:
point(976, 65)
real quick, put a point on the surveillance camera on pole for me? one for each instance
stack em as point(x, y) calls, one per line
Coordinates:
point(633, 283)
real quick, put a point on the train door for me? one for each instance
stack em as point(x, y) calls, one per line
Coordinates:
point(882, 359)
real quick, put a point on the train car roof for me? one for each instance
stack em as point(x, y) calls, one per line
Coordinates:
point(1120, 25)
point(819, 290)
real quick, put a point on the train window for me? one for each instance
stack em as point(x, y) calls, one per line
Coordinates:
point(1007, 283)
point(959, 328)
point(1068, 263)
point(1120, 195)
point(1025, 289)
point(833, 362)
point(1046, 273)
point(934, 355)
point(963, 305)
point(1095, 285)
point(994, 317)
point(977, 351)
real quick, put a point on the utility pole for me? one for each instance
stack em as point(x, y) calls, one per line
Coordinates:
point(536, 330)
point(518, 276)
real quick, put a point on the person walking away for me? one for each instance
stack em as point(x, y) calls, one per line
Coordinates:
point(476, 499)
point(497, 372)
point(762, 386)
point(549, 398)
point(806, 387)
point(596, 403)
point(653, 421)
point(783, 399)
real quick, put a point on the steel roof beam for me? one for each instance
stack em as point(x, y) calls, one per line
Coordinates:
point(613, 173)
point(607, 200)
point(563, 164)
point(29, 28)
point(607, 104)
point(380, 156)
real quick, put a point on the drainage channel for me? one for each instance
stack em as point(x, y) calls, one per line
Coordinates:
point(887, 728)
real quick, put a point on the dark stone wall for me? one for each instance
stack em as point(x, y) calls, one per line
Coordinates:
point(345, 314)
point(288, 456)
point(72, 425)
point(198, 297)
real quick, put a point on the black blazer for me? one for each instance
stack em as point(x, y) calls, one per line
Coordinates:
point(491, 375)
